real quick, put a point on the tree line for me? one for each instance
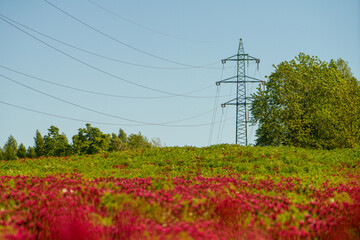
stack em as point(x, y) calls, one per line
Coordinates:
point(306, 102)
point(88, 140)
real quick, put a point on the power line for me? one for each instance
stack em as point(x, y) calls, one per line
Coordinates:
point(221, 119)
point(214, 114)
point(226, 111)
point(99, 112)
point(143, 26)
point(79, 89)
point(103, 123)
point(101, 93)
point(100, 55)
point(215, 109)
point(123, 43)
point(70, 103)
point(112, 95)
point(54, 115)
point(100, 70)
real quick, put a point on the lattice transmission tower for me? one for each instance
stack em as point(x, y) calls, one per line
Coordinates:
point(242, 100)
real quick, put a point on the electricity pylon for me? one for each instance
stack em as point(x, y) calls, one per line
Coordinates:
point(242, 100)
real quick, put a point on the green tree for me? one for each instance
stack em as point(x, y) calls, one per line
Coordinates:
point(21, 153)
point(10, 149)
point(90, 140)
point(116, 144)
point(122, 136)
point(155, 142)
point(309, 103)
point(1, 154)
point(56, 144)
point(350, 103)
point(30, 153)
point(138, 141)
point(344, 68)
point(39, 144)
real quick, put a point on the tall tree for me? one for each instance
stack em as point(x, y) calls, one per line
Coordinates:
point(56, 144)
point(10, 149)
point(21, 153)
point(116, 144)
point(350, 103)
point(344, 69)
point(309, 103)
point(156, 142)
point(122, 136)
point(1, 154)
point(39, 144)
point(30, 153)
point(138, 141)
point(90, 140)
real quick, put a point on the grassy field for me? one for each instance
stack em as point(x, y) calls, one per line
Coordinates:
point(218, 192)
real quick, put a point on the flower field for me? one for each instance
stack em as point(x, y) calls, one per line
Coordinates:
point(219, 192)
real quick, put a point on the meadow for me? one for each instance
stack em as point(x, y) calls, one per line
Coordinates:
point(217, 192)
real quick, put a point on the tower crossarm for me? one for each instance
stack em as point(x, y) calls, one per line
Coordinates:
point(254, 79)
point(230, 102)
point(241, 57)
point(227, 80)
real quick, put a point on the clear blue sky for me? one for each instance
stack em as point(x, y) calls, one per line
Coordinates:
point(189, 32)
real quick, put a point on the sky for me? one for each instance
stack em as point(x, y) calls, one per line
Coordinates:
point(151, 66)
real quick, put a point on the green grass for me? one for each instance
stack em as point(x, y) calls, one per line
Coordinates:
point(313, 166)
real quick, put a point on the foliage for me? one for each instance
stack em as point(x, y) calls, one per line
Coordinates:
point(30, 153)
point(155, 142)
point(56, 144)
point(10, 149)
point(138, 141)
point(309, 103)
point(90, 140)
point(21, 153)
point(39, 144)
point(115, 143)
point(123, 136)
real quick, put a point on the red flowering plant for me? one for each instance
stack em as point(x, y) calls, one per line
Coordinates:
point(222, 197)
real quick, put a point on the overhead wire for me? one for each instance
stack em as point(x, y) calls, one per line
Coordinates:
point(139, 85)
point(101, 93)
point(226, 111)
point(214, 114)
point(103, 113)
point(143, 26)
point(105, 72)
point(94, 92)
point(263, 81)
point(96, 122)
point(71, 103)
point(97, 54)
point(220, 124)
point(251, 127)
point(216, 102)
point(123, 43)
